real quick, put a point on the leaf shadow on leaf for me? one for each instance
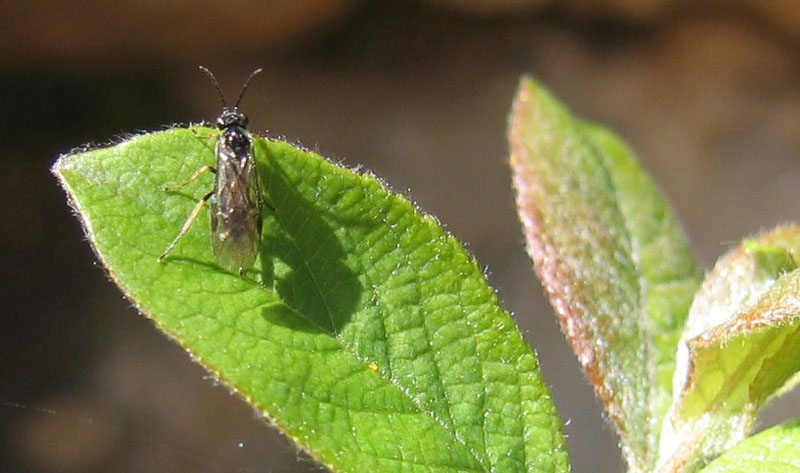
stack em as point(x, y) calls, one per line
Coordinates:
point(319, 285)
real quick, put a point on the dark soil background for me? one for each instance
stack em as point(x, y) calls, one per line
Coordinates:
point(707, 92)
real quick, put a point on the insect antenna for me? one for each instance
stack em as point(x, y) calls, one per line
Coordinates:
point(216, 86)
point(244, 87)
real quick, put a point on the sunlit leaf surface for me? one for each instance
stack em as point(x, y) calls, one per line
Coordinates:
point(773, 451)
point(741, 347)
point(611, 256)
point(364, 331)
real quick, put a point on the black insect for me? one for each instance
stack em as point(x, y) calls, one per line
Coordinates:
point(236, 201)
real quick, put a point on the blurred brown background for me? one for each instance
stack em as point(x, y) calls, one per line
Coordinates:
point(707, 92)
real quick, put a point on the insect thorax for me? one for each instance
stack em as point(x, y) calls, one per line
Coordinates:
point(237, 142)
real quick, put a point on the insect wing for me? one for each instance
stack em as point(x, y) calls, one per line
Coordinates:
point(236, 205)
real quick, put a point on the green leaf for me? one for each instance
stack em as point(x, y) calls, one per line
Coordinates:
point(771, 451)
point(364, 331)
point(741, 347)
point(771, 261)
point(611, 256)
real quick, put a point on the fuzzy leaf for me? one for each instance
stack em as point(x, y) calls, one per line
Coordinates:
point(364, 331)
point(774, 450)
point(741, 347)
point(611, 256)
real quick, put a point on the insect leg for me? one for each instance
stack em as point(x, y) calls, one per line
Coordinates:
point(194, 177)
point(186, 225)
point(204, 137)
